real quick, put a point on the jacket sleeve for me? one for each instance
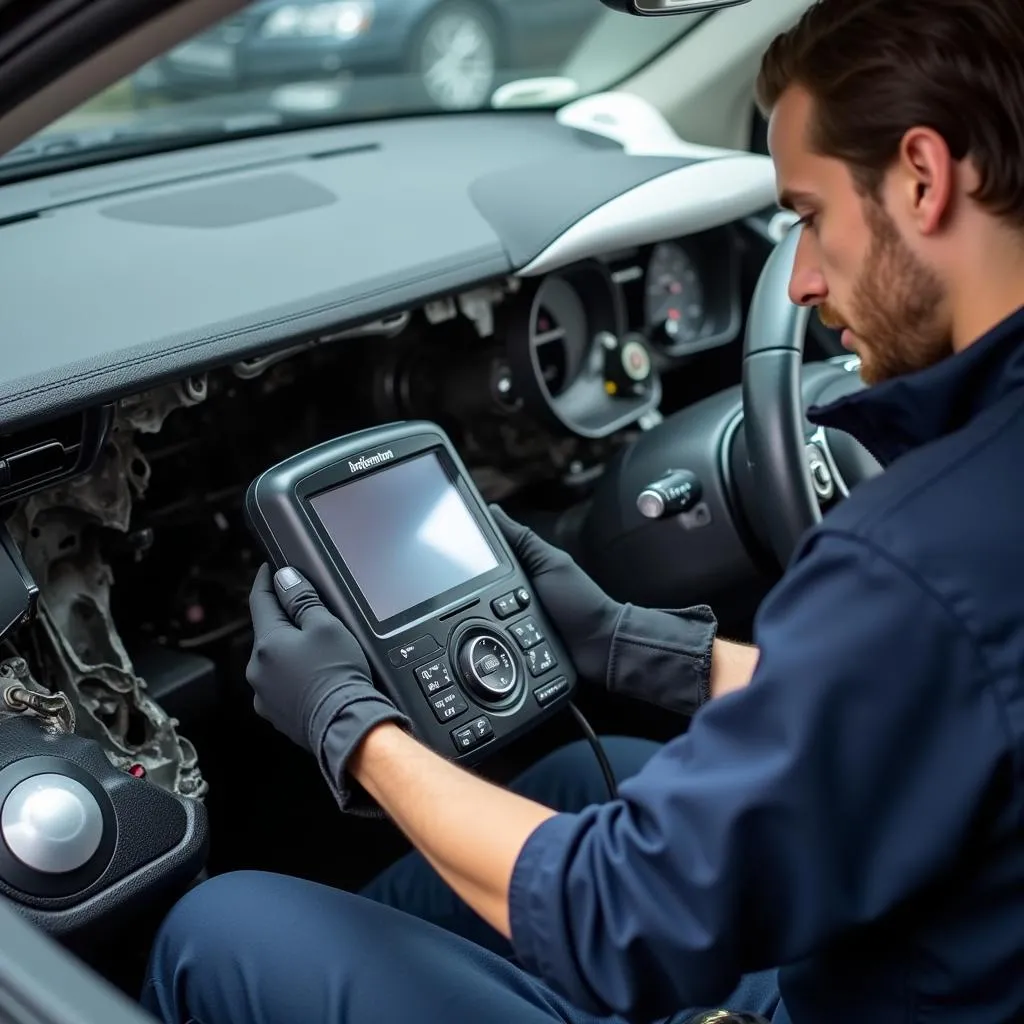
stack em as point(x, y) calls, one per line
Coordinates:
point(663, 657)
point(831, 789)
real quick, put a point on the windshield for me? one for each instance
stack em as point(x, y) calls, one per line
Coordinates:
point(279, 62)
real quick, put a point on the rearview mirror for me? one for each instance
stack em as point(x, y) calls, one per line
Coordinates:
point(647, 8)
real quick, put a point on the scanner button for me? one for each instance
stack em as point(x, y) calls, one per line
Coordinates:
point(527, 634)
point(481, 728)
point(433, 677)
point(549, 691)
point(448, 704)
point(505, 606)
point(421, 647)
point(487, 664)
point(522, 596)
point(464, 739)
point(540, 659)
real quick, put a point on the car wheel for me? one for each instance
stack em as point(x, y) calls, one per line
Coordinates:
point(456, 56)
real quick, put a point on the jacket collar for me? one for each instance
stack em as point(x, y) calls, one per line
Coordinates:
point(901, 414)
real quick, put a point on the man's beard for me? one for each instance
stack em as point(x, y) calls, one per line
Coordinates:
point(896, 308)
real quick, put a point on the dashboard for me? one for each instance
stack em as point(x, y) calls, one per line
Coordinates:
point(121, 276)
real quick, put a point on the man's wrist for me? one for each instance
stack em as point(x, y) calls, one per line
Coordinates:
point(732, 666)
point(378, 747)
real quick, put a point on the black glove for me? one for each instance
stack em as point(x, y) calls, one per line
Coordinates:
point(311, 679)
point(663, 657)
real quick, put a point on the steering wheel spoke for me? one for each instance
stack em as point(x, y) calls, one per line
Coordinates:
point(826, 476)
point(796, 477)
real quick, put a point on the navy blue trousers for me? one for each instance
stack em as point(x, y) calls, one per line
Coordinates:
point(256, 948)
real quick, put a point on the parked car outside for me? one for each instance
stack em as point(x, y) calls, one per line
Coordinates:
point(451, 51)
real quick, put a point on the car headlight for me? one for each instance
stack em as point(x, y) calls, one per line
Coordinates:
point(343, 19)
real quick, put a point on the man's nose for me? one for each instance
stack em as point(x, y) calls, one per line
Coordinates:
point(807, 285)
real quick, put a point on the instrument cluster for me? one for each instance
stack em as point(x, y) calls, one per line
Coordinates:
point(587, 344)
point(682, 295)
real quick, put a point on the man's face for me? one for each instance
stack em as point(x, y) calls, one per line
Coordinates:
point(852, 262)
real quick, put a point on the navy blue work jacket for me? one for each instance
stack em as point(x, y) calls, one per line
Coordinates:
point(856, 816)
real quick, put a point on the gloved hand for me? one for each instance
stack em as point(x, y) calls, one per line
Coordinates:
point(312, 681)
point(663, 657)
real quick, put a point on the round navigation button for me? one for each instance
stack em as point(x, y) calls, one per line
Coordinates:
point(51, 823)
point(488, 666)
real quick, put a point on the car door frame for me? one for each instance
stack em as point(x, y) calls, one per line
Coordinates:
point(42, 983)
point(55, 54)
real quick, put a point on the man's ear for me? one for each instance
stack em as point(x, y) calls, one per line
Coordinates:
point(926, 178)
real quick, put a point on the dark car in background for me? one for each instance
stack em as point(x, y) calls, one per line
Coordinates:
point(451, 52)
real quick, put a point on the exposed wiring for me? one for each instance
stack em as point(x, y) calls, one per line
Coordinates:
point(595, 743)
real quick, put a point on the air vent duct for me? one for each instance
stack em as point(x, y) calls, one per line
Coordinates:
point(42, 456)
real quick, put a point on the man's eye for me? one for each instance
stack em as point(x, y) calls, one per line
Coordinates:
point(808, 220)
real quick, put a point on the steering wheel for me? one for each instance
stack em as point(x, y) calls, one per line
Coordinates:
point(796, 469)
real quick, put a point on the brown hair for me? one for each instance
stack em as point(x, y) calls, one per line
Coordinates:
point(876, 68)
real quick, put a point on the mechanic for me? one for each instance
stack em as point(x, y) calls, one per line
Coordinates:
point(852, 817)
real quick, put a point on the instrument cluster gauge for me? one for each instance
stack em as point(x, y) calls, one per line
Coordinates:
point(558, 333)
point(574, 362)
point(675, 310)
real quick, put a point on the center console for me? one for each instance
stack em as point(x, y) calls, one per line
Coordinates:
point(81, 840)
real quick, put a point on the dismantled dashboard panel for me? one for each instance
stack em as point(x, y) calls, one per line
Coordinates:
point(539, 381)
point(78, 652)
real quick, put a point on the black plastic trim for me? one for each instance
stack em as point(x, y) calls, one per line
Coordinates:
point(80, 455)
